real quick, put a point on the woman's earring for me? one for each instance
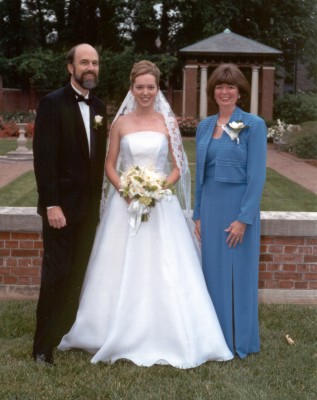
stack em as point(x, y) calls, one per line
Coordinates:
point(239, 96)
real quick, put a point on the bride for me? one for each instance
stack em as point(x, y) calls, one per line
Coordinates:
point(144, 298)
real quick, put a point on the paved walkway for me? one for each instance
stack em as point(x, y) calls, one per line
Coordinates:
point(10, 170)
point(293, 168)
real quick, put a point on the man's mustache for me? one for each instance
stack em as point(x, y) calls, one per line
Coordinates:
point(90, 73)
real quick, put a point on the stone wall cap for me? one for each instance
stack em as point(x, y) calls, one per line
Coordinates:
point(273, 223)
point(18, 210)
point(288, 215)
point(20, 219)
point(289, 223)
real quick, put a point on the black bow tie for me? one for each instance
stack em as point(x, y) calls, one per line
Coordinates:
point(79, 98)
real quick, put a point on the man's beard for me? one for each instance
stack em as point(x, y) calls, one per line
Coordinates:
point(86, 83)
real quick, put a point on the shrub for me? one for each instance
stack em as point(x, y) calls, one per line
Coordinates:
point(8, 123)
point(294, 109)
point(8, 129)
point(304, 144)
point(19, 116)
point(283, 134)
point(187, 126)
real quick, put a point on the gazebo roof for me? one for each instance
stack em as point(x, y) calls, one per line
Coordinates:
point(228, 42)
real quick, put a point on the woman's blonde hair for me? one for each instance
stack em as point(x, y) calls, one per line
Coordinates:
point(229, 74)
point(145, 67)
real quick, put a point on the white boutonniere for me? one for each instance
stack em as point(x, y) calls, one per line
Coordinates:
point(235, 127)
point(98, 121)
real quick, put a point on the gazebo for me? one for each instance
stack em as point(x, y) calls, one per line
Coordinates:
point(255, 59)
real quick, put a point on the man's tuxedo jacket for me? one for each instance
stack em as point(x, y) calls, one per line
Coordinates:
point(66, 174)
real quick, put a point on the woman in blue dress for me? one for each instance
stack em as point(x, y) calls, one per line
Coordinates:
point(230, 175)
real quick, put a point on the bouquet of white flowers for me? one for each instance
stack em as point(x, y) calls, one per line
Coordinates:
point(145, 187)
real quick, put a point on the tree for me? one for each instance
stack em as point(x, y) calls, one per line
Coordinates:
point(38, 22)
point(41, 69)
point(141, 25)
point(116, 67)
point(111, 18)
point(189, 21)
point(11, 28)
point(59, 12)
point(289, 25)
point(156, 27)
point(83, 21)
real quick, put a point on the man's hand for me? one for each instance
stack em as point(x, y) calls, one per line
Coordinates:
point(56, 217)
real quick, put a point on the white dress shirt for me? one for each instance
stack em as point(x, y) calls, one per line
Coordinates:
point(85, 112)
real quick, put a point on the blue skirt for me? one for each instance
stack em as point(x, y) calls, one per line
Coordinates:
point(231, 273)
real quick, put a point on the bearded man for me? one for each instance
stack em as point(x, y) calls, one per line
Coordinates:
point(69, 150)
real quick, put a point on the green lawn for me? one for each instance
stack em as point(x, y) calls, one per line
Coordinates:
point(21, 192)
point(10, 144)
point(190, 149)
point(279, 372)
point(280, 194)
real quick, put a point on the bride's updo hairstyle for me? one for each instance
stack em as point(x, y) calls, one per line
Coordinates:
point(145, 67)
point(229, 74)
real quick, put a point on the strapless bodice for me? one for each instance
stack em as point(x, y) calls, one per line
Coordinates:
point(144, 149)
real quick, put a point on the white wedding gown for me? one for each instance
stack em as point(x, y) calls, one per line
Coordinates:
point(144, 297)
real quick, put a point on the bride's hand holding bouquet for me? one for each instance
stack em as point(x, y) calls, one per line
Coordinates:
point(144, 187)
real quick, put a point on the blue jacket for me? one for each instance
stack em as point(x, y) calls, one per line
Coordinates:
point(236, 163)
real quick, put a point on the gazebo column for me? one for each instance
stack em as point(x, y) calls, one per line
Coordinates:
point(267, 95)
point(254, 90)
point(203, 94)
point(190, 90)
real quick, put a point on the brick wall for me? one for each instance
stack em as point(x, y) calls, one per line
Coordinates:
point(287, 267)
point(20, 252)
point(288, 262)
point(20, 258)
point(267, 92)
point(13, 100)
point(191, 94)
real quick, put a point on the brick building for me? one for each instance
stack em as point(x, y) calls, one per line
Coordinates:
point(256, 60)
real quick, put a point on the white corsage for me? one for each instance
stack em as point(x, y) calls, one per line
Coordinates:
point(98, 121)
point(235, 127)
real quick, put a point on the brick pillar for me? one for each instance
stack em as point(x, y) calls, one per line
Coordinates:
point(190, 91)
point(267, 95)
point(32, 99)
point(1, 95)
